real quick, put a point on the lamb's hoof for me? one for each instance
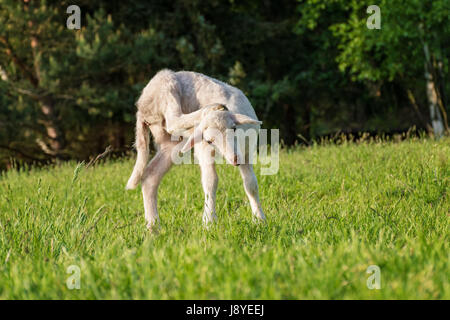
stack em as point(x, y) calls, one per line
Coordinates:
point(209, 221)
point(153, 228)
point(208, 225)
point(259, 219)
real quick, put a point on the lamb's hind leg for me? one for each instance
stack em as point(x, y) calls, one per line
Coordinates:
point(153, 174)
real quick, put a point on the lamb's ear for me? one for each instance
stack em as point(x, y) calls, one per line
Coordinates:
point(195, 137)
point(243, 119)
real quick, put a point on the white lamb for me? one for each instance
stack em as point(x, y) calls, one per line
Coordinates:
point(204, 110)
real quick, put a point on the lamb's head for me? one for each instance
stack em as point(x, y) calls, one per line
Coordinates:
point(217, 127)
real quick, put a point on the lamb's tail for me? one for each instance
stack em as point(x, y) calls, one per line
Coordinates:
point(142, 141)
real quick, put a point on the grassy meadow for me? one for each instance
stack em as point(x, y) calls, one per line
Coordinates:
point(332, 211)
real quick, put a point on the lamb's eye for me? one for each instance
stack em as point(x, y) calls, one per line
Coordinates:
point(209, 142)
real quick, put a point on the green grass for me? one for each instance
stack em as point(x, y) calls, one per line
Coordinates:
point(332, 211)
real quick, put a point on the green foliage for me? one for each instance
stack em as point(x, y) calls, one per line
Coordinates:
point(310, 68)
point(396, 50)
point(332, 212)
point(389, 61)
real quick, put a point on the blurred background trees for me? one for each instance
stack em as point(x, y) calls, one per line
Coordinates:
point(310, 68)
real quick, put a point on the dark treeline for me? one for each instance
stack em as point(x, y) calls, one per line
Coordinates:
point(310, 68)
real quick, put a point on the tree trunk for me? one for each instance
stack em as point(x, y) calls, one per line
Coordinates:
point(55, 135)
point(56, 141)
point(440, 90)
point(416, 108)
point(435, 114)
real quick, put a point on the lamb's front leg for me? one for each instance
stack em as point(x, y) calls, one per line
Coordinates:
point(177, 121)
point(209, 183)
point(251, 189)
